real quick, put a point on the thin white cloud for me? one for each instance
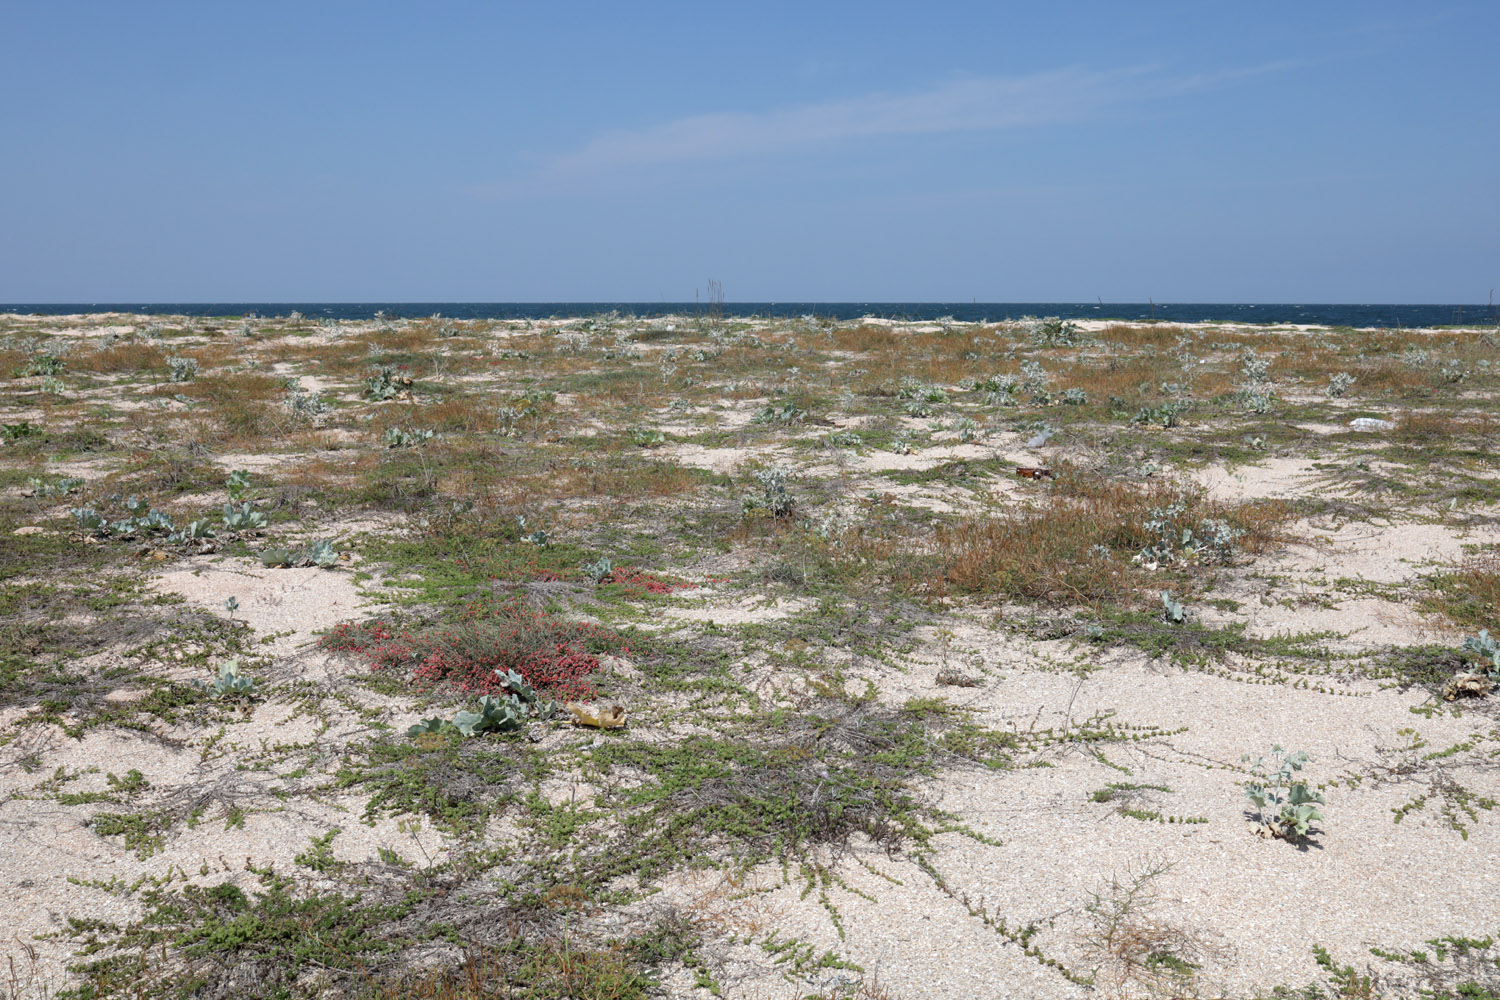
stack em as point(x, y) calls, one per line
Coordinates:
point(971, 104)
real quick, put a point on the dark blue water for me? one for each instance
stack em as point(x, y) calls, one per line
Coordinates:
point(1198, 312)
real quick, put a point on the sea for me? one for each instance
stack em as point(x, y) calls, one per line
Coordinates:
point(1327, 314)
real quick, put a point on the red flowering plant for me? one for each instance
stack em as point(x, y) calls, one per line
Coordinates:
point(635, 581)
point(473, 651)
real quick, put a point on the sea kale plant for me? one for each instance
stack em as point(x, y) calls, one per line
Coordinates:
point(405, 437)
point(496, 715)
point(1177, 540)
point(773, 497)
point(183, 369)
point(320, 553)
point(386, 383)
point(1284, 804)
point(243, 517)
point(1486, 648)
point(1051, 331)
point(601, 571)
point(229, 684)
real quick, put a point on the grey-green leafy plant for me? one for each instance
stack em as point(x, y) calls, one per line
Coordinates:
point(1485, 647)
point(196, 531)
point(1453, 370)
point(786, 413)
point(1164, 415)
point(89, 520)
point(1074, 397)
point(914, 388)
point(142, 521)
point(1034, 378)
point(773, 496)
point(1211, 541)
point(918, 408)
point(1259, 400)
point(1285, 805)
point(320, 553)
point(495, 715)
point(1172, 611)
point(386, 383)
point(230, 683)
point(42, 363)
point(305, 404)
point(17, 431)
point(1339, 385)
point(183, 369)
point(1052, 331)
point(999, 390)
point(58, 488)
point(405, 437)
point(237, 483)
point(646, 437)
point(573, 340)
point(1254, 368)
point(244, 517)
point(600, 571)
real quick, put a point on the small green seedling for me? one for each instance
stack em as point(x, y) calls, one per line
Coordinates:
point(230, 683)
point(1285, 807)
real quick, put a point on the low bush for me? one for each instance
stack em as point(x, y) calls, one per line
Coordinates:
point(1079, 544)
point(475, 651)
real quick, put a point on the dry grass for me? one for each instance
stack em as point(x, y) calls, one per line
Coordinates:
point(1075, 546)
point(467, 413)
point(1131, 947)
point(1470, 595)
point(553, 969)
point(120, 358)
point(1134, 377)
point(1138, 336)
point(611, 479)
point(1429, 427)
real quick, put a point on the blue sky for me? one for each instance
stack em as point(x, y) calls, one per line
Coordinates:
point(438, 151)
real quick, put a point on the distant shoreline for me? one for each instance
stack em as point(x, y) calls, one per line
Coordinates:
point(1329, 314)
